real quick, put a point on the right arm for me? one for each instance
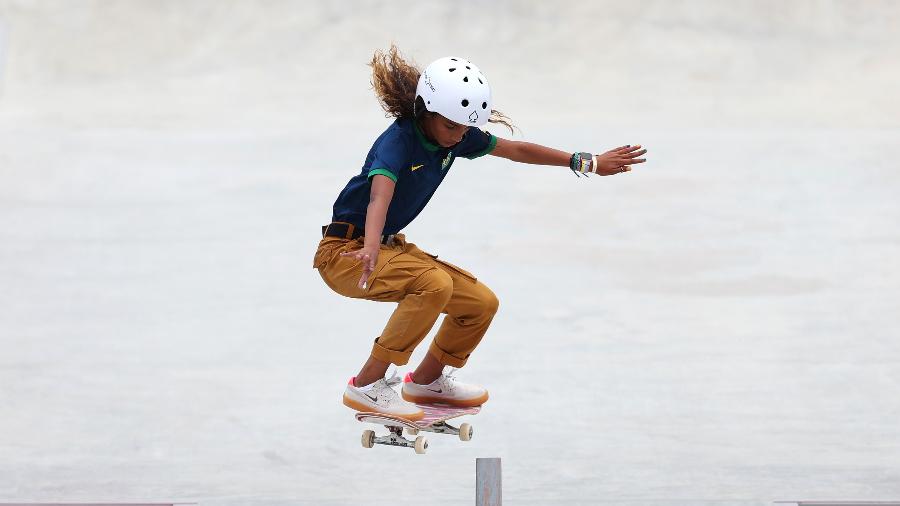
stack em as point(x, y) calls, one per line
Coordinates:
point(380, 195)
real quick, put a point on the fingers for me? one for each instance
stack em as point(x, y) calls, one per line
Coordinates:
point(358, 254)
point(628, 156)
point(368, 263)
point(632, 152)
point(619, 166)
point(618, 162)
point(626, 166)
point(368, 268)
point(629, 151)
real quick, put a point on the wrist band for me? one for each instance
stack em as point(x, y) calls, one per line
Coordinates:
point(582, 162)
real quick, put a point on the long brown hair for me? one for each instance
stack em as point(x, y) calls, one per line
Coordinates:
point(394, 81)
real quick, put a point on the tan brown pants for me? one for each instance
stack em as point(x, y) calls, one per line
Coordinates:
point(424, 287)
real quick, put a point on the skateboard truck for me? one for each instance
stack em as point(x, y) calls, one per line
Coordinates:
point(395, 438)
point(464, 431)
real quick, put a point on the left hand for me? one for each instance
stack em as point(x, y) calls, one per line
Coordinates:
point(618, 160)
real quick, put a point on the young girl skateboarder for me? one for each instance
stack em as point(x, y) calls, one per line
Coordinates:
point(439, 114)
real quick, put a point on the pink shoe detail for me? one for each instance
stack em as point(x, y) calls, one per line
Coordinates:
point(352, 381)
point(408, 378)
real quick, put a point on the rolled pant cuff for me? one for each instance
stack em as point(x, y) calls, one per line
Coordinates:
point(445, 358)
point(391, 356)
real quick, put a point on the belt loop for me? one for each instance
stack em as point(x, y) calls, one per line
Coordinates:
point(350, 228)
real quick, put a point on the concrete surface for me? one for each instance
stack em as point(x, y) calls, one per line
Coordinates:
point(717, 327)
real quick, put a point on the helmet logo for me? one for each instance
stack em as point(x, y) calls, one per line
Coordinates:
point(427, 80)
point(473, 118)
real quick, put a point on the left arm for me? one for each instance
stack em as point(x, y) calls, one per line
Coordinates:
point(527, 152)
point(612, 162)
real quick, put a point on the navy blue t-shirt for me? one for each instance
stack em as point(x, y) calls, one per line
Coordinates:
point(416, 166)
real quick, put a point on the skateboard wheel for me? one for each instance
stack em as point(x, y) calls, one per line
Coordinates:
point(368, 438)
point(411, 431)
point(465, 432)
point(421, 444)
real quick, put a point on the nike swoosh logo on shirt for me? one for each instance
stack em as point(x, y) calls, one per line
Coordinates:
point(414, 167)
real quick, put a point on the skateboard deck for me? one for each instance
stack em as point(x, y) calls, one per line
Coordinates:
point(435, 420)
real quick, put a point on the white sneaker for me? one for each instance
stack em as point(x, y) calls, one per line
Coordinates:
point(380, 397)
point(444, 390)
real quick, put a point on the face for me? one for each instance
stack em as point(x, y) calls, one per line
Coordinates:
point(444, 132)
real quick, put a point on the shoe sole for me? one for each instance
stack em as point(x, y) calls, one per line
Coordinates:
point(459, 403)
point(362, 408)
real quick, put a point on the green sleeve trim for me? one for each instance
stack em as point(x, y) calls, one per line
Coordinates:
point(383, 172)
point(490, 147)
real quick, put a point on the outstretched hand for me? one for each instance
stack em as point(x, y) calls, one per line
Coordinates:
point(618, 160)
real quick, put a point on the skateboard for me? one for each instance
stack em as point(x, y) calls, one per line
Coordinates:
point(435, 420)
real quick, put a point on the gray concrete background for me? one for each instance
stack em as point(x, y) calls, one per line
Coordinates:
point(717, 327)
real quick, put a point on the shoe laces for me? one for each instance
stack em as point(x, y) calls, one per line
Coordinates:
point(394, 379)
point(385, 389)
point(449, 379)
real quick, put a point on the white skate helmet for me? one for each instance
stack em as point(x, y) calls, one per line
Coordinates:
point(455, 88)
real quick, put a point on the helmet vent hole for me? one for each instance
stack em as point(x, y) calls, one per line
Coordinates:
point(468, 67)
point(480, 81)
point(454, 68)
point(483, 105)
point(466, 79)
point(453, 59)
point(465, 103)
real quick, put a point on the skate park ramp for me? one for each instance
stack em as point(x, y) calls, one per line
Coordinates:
point(718, 326)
